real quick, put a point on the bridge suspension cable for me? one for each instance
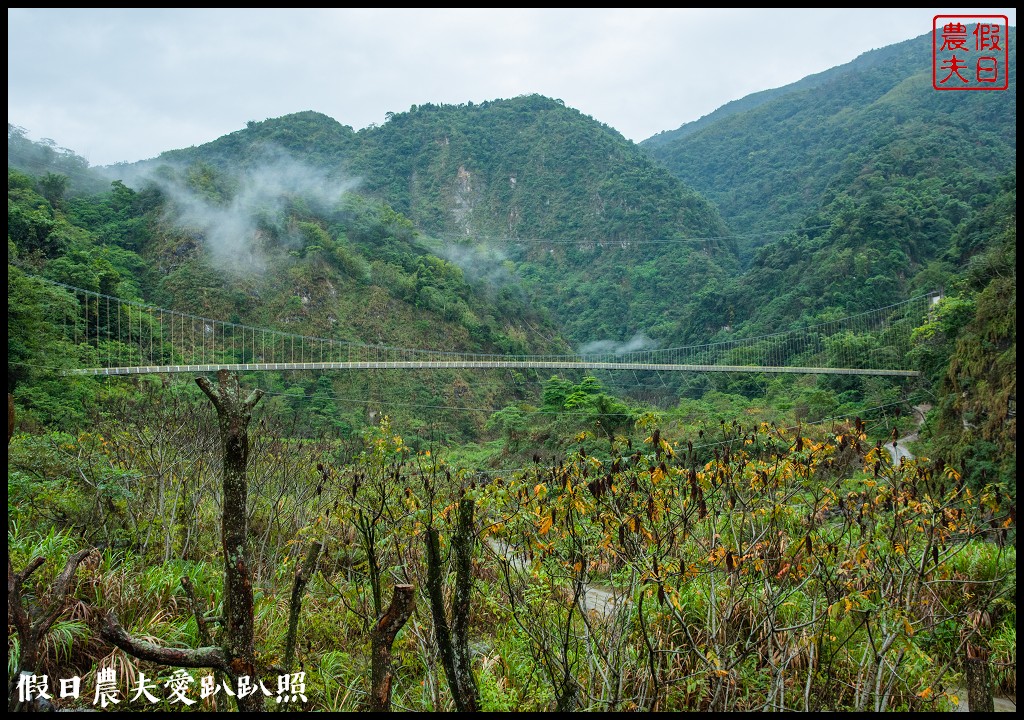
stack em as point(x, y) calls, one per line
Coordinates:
point(116, 336)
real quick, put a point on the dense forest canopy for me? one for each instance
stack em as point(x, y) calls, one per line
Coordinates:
point(875, 119)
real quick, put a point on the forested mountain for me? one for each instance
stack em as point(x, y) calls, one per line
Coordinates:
point(40, 158)
point(319, 141)
point(861, 186)
point(605, 239)
point(546, 540)
point(529, 224)
point(770, 160)
point(893, 55)
point(522, 191)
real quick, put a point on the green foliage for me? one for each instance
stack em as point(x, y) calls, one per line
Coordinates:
point(69, 632)
point(311, 135)
point(585, 404)
point(336, 675)
point(867, 187)
point(494, 696)
point(41, 324)
point(556, 391)
point(933, 341)
point(29, 216)
point(478, 178)
point(53, 187)
point(350, 271)
point(970, 342)
point(688, 533)
point(511, 422)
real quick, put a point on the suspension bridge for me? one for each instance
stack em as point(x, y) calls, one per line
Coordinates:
point(124, 337)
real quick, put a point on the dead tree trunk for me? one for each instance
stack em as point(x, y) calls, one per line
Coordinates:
point(233, 416)
point(462, 549)
point(382, 637)
point(979, 686)
point(453, 638)
point(32, 632)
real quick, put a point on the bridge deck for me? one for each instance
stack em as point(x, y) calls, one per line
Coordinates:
point(484, 364)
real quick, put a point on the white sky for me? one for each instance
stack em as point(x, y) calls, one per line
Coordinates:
point(126, 84)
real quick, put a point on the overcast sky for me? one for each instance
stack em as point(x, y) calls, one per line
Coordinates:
point(126, 84)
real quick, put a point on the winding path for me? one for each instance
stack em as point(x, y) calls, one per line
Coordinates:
point(898, 449)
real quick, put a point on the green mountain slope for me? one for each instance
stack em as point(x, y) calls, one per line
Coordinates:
point(771, 159)
point(522, 193)
point(891, 54)
point(277, 246)
point(319, 141)
point(602, 237)
point(862, 186)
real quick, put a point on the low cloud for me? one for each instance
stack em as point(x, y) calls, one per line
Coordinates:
point(610, 347)
point(481, 265)
point(238, 211)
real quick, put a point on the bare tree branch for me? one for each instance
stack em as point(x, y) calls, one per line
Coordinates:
point(206, 657)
